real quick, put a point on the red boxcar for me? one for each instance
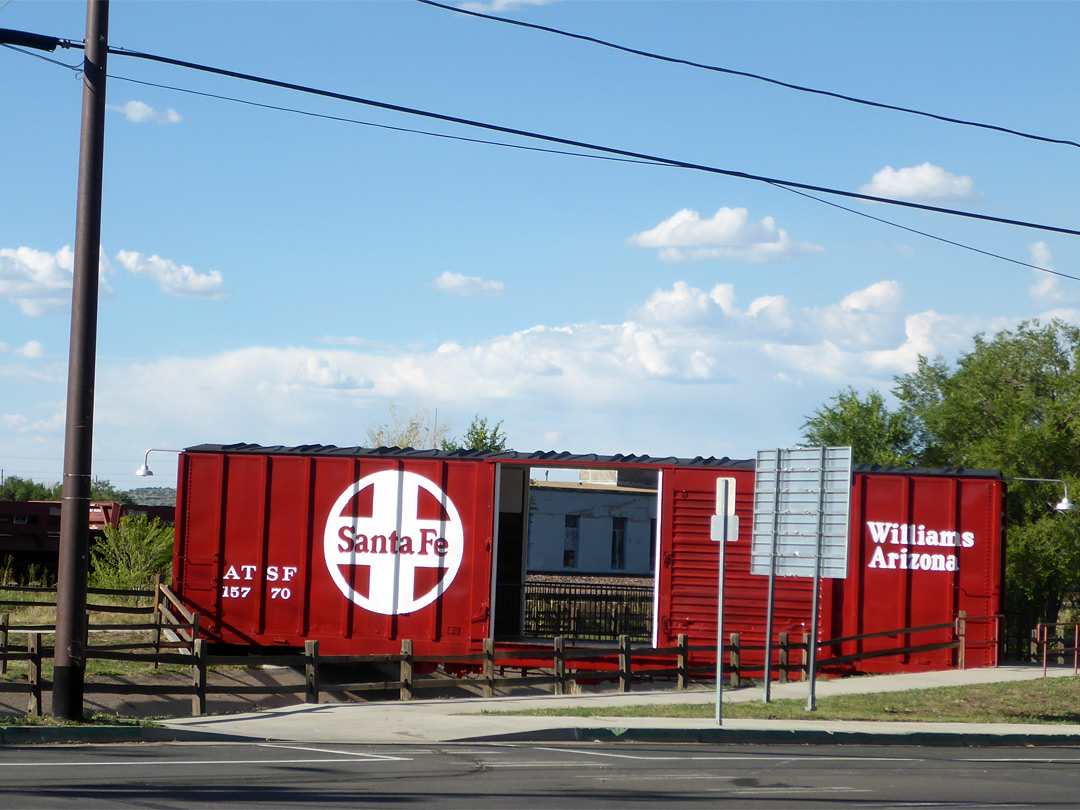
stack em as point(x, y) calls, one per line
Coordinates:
point(361, 548)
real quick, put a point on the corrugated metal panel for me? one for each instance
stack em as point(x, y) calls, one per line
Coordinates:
point(358, 552)
point(922, 550)
point(690, 569)
point(244, 507)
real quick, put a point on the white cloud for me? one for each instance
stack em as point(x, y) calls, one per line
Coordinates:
point(1046, 288)
point(39, 283)
point(687, 363)
point(317, 370)
point(172, 278)
point(729, 234)
point(32, 350)
point(140, 113)
point(681, 304)
point(496, 6)
point(467, 286)
point(925, 183)
point(19, 423)
point(13, 421)
point(867, 318)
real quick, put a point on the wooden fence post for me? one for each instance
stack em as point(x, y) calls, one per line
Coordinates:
point(157, 617)
point(311, 670)
point(560, 665)
point(785, 649)
point(3, 642)
point(198, 678)
point(682, 664)
point(736, 662)
point(625, 672)
point(489, 668)
point(33, 673)
point(961, 633)
point(157, 637)
point(406, 692)
point(806, 656)
point(194, 630)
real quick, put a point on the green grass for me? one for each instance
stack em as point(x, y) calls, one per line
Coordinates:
point(1050, 700)
point(93, 719)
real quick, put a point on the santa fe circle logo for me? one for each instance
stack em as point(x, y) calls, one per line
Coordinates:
point(394, 543)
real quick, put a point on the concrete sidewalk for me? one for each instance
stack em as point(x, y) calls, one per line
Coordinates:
point(435, 721)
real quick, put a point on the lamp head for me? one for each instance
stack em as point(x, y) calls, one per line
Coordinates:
point(1065, 505)
point(144, 471)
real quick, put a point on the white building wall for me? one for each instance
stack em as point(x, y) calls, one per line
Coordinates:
point(595, 506)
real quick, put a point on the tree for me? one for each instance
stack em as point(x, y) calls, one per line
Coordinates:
point(480, 437)
point(24, 489)
point(105, 491)
point(1013, 404)
point(875, 434)
point(419, 430)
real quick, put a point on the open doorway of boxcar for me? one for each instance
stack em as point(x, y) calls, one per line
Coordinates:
point(579, 560)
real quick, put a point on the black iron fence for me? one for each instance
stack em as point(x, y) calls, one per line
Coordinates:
point(577, 611)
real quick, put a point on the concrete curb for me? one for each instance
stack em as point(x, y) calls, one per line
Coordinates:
point(99, 735)
point(714, 736)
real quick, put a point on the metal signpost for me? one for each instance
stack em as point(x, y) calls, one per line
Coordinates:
point(724, 529)
point(802, 505)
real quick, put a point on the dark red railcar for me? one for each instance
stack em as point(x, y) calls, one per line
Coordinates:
point(363, 548)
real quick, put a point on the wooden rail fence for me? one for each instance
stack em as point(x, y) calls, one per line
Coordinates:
point(1053, 638)
point(171, 636)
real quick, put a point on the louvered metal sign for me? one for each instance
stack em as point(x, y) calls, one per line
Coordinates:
point(802, 504)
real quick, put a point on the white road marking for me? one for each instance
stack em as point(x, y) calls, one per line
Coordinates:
point(789, 790)
point(357, 754)
point(673, 777)
point(733, 757)
point(125, 763)
point(547, 764)
point(1022, 760)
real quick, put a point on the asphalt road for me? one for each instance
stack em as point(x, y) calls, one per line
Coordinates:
point(534, 775)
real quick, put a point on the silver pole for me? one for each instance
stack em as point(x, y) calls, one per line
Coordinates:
point(812, 643)
point(772, 580)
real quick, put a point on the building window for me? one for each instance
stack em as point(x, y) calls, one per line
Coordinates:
point(618, 543)
point(570, 542)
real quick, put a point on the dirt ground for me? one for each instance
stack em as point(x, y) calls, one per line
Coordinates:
point(133, 704)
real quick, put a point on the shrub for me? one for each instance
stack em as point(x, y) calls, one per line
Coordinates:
point(131, 555)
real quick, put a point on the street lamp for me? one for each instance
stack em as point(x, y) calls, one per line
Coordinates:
point(1064, 505)
point(145, 470)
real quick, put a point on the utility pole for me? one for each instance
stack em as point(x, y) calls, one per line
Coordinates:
point(69, 657)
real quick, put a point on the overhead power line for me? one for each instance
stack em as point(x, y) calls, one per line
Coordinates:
point(390, 127)
point(453, 119)
point(748, 75)
point(567, 153)
point(607, 153)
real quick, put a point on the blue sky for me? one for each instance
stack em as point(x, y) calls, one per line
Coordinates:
point(277, 278)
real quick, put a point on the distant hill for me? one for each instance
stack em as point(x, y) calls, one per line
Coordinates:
point(154, 496)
